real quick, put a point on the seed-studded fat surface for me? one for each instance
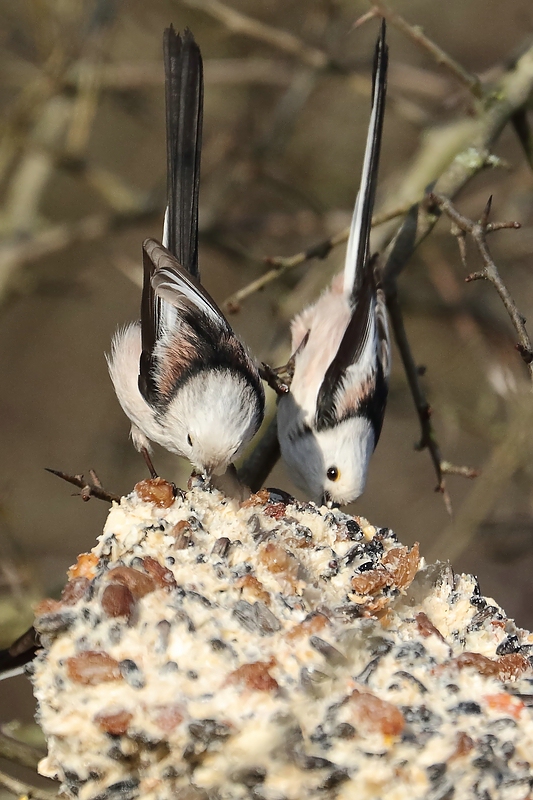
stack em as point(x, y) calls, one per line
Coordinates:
point(210, 650)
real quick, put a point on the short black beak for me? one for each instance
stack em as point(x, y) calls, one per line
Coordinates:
point(326, 500)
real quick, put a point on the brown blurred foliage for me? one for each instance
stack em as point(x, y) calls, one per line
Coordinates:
point(82, 183)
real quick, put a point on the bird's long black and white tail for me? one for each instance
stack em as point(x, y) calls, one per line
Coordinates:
point(357, 253)
point(184, 90)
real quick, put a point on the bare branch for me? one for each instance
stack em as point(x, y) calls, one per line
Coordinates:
point(247, 26)
point(512, 451)
point(282, 264)
point(479, 231)
point(451, 469)
point(19, 752)
point(415, 32)
point(16, 252)
point(428, 440)
point(88, 489)
point(22, 789)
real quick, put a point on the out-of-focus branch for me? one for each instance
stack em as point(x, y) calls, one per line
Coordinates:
point(513, 449)
point(479, 231)
point(282, 264)
point(417, 35)
point(19, 752)
point(17, 252)
point(240, 23)
point(22, 789)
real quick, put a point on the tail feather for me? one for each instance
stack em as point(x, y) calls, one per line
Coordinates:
point(184, 91)
point(184, 112)
point(21, 652)
point(357, 254)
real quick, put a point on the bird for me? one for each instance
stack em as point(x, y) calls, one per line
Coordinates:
point(181, 375)
point(330, 419)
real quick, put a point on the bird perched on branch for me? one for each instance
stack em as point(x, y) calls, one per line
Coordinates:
point(330, 420)
point(181, 375)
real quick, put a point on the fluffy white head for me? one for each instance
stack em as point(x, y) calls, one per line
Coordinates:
point(211, 419)
point(330, 464)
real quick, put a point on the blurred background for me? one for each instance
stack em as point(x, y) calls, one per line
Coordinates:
point(82, 183)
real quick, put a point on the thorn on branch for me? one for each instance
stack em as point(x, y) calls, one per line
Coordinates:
point(475, 276)
point(88, 489)
point(527, 355)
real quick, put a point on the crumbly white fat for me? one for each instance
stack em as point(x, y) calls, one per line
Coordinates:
point(304, 737)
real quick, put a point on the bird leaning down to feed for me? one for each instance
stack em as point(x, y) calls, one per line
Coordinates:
point(330, 420)
point(181, 375)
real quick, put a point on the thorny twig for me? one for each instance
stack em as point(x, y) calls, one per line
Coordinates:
point(479, 231)
point(415, 32)
point(22, 789)
point(88, 489)
point(403, 244)
point(282, 264)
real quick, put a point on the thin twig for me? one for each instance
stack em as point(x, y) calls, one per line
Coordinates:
point(19, 752)
point(22, 789)
point(282, 264)
point(415, 32)
point(479, 231)
point(451, 469)
point(247, 26)
point(403, 244)
point(88, 489)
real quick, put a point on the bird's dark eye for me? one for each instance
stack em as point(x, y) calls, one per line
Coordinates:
point(333, 474)
point(189, 439)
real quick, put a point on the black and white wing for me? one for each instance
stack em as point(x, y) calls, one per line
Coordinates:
point(174, 285)
point(359, 281)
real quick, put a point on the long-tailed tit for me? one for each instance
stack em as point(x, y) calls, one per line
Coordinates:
point(330, 420)
point(181, 375)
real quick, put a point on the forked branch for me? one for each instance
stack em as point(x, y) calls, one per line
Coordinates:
point(478, 231)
